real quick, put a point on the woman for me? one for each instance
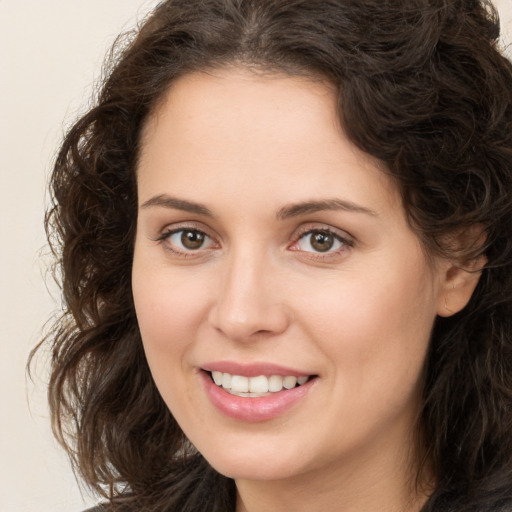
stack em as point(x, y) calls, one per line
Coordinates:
point(284, 237)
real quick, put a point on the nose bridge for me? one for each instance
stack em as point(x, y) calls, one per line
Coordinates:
point(247, 302)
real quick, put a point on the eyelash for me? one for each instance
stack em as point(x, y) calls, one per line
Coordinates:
point(166, 235)
point(346, 243)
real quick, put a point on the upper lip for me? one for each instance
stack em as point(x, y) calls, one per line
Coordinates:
point(253, 369)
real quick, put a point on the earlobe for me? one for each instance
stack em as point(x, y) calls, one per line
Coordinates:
point(458, 285)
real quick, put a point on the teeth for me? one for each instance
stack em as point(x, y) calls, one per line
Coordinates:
point(289, 382)
point(239, 384)
point(256, 386)
point(226, 380)
point(275, 383)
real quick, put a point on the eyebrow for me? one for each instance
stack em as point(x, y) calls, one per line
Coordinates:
point(174, 203)
point(286, 212)
point(295, 210)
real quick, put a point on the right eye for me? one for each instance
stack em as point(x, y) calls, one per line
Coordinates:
point(186, 240)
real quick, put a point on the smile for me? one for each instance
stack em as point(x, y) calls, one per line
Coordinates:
point(259, 395)
point(258, 386)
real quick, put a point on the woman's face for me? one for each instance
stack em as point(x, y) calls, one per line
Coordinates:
point(269, 246)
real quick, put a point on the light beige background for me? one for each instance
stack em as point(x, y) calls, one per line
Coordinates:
point(50, 54)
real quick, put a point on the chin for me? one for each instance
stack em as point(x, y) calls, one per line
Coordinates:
point(259, 462)
point(252, 470)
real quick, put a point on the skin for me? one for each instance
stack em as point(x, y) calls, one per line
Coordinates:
point(359, 316)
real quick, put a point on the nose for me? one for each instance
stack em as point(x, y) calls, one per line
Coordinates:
point(250, 301)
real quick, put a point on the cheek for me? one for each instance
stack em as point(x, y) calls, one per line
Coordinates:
point(378, 325)
point(168, 313)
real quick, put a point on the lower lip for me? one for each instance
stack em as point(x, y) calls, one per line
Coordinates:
point(257, 408)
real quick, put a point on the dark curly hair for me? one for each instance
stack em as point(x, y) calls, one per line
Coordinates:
point(423, 87)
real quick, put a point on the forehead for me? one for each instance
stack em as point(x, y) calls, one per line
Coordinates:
point(229, 101)
point(234, 126)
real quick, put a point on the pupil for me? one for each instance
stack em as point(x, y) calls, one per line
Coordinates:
point(322, 242)
point(192, 239)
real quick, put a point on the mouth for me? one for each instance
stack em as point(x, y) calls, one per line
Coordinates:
point(258, 386)
point(256, 392)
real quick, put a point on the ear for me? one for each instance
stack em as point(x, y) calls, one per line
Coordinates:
point(457, 285)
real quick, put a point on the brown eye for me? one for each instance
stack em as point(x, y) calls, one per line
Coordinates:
point(192, 239)
point(322, 241)
point(184, 240)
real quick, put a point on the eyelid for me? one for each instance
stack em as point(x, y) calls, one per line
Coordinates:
point(320, 226)
point(183, 226)
point(345, 238)
point(177, 227)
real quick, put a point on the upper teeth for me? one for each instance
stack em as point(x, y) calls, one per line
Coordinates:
point(255, 386)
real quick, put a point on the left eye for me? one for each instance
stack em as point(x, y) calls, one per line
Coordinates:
point(320, 241)
point(189, 239)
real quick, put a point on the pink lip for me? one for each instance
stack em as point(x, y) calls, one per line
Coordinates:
point(253, 369)
point(254, 409)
